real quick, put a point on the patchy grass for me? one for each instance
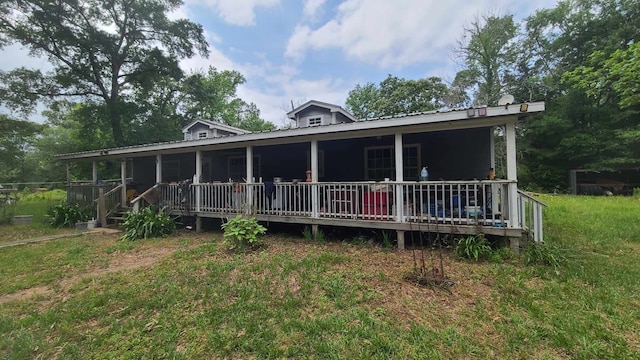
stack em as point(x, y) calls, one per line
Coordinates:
point(186, 297)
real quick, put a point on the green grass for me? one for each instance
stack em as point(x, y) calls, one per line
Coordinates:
point(186, 297)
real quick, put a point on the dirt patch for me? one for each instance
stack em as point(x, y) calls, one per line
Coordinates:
point(26, 294)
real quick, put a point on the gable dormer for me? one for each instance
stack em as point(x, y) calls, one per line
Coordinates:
point(206, 129)
point(317, 113)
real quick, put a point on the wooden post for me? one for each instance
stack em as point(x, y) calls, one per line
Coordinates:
point(196, 178)
point(158, 168)
point(512, 173)
point(249, 188)
point(400, 234)
point(315, 191)
point(399, 200)
point(95, 172)
point(102, 210)
point(123, 181)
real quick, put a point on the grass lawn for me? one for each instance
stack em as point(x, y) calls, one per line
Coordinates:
point(186, 297)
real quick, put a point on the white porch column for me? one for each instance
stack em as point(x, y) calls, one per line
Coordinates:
point(512, 172)
point(399, 178)
point(249, 190)
point(94, 172)
point(315, 193)
point(123, 181)
point(197, 176)
point(158, 168)
point(492, 165)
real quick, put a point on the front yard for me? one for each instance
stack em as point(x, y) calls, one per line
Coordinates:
point(94, 296)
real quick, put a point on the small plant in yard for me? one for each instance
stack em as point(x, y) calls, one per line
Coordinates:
point(307, 234)
point(474, 248)
point(67, 215)
point(501, 255)
point(543, 254)
point(147, 223)
point(241, 233)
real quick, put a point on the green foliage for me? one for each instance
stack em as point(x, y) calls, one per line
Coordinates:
point(474, 248)
point(307, 234)
point(396, 95)
point(7, 210)
point(147, 223)
point(242, 233)
point(67, 215)
point(543, 254)
point(132, 44)
point(16, 137)
point(501, 254)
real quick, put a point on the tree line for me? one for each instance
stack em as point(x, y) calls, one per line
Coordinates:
point(114, 80)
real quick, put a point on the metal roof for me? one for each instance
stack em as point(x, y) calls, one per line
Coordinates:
point(417, 122)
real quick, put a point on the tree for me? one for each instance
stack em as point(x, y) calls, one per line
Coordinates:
point(212, 96)
point(487, 50)
point(100, 51)
point(396, 95)
point(16, 138)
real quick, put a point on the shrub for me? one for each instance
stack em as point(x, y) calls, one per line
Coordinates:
point(543, 254)
point(473, 248)
point(67, 215)
point(7, 210)
point(501, 255)
point(241, 233)
point(147, 223)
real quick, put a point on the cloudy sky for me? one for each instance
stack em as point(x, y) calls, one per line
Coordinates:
point(292, 50)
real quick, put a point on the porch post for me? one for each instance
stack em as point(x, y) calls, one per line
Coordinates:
point(249, 191)
point(158, 168)
point(95, 172)
point(492, 164)
point(512, 173)
point(196, 178)
point(68, 173)
point(315, 195)
point(123, 181)
point(398, 187)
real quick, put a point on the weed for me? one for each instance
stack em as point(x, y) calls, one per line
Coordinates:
point(307, 234)
point(147, 223)
point(502, 254)
point(543, 254)
point(67, 215)
point(241, 233)
point(474, 248)
point(320, 236)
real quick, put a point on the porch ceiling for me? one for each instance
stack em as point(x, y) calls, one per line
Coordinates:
point(411, 123)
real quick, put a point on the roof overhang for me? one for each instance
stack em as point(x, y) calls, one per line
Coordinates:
point(411, 123)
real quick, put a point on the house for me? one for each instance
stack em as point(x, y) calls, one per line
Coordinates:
point(334, 170)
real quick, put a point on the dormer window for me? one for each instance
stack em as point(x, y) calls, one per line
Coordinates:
point(315, 121)
point(202, 135)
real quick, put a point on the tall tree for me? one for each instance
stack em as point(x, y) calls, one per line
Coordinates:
point(487, 51)
point(99, 50)
point(396, 95)
point(16, 139)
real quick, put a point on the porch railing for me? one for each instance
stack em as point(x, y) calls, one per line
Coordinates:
point(112, 200)
point(478, 202)
point(84, 194)
point(530, 215)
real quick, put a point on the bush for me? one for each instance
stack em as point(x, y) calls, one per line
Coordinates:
point(241, 233)
point(473, 248)
point(147, 223)
point(7, 210)
point(67, 215)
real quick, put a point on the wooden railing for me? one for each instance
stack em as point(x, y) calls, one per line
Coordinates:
point(530, 215)
point(148, 197)
point(112, 201)
point(478, 202)
point(85, 194)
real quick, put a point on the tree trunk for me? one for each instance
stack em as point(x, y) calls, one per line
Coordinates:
point(115, 120)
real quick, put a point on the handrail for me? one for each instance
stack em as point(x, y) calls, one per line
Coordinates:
point(530, 215)
point(526, 194)
point(134, 203)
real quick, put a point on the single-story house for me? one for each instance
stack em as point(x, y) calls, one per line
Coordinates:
point(331, 169)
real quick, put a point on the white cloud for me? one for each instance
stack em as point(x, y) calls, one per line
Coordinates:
point(393, 34)
point(311, 7)
point(236, 12)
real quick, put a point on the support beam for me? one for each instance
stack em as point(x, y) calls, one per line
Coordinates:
point(400, 235)
point(68, 173)
point(198, 224)
point(94, 173)
point(158, 168)
point(249, 191)
point(314, 231)
point(196, 180)
point(123, 181)
point(399, 203)
point(512, 173)
point(315, 191)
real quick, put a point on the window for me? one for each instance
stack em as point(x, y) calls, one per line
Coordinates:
point(379, 162)
point(320, 162)
point(202, 134)
point(315, 121)
point(238, 167)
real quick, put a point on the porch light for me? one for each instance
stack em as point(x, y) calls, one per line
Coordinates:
point(482, 111)
point(471, 112)
point(524, 107)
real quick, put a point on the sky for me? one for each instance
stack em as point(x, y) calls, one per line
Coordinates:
point(299, 50)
